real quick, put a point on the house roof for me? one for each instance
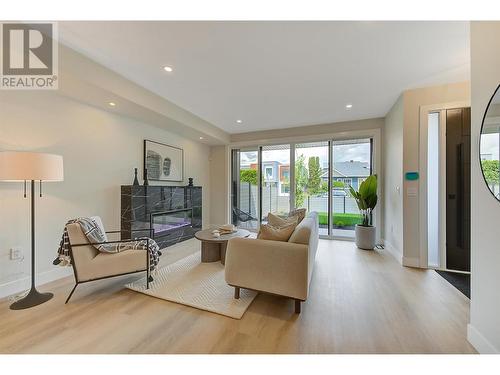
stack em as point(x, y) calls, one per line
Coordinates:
point(349, 169)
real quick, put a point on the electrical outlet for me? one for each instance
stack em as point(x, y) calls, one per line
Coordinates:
point(16, 253)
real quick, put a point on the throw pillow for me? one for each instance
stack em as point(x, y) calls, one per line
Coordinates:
point(299, 212)
point(279, 222)
point(268, 232)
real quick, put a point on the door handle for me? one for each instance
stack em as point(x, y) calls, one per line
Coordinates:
point(460, 203)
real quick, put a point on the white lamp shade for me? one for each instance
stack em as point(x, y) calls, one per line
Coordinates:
point(21, 166)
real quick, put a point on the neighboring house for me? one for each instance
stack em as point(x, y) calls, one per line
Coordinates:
point(277, 175)
point(274, 174)
point(351, 173)
point(270, 171)
point(284, 182)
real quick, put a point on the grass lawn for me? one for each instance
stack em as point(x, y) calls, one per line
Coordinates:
point(340, 220)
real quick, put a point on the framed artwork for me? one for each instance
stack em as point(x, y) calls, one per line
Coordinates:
point(163, 162)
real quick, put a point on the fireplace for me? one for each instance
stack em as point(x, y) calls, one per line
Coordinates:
point(174, 212)
point(164, 222)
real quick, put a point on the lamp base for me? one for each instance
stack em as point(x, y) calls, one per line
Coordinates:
point(33, 298)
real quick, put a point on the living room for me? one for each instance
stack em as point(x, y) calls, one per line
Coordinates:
point(248, 187)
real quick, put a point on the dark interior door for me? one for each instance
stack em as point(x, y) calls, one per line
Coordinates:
point(458, 189)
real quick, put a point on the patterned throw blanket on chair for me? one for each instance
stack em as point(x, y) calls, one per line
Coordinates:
point(96, 237)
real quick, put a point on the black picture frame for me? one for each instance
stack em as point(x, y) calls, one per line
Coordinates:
point(167, 148)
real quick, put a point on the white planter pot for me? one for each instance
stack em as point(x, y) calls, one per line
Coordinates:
point(365, 237)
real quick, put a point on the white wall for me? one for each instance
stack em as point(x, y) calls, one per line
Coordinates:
point(484, 329)
point(393, 179)
point(100, 151)
point(219, 163)
point(413, 100)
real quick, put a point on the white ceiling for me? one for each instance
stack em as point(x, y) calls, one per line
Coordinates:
point(278, 74)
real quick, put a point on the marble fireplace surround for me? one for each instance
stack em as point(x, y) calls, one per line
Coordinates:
point(139, 204)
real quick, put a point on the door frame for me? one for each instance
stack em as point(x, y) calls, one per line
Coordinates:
point(422, 181)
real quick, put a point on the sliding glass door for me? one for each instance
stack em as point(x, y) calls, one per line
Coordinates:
point(244, 194)
point(312, 175)
point(312, 180)
point(275, 180)
point(352, 164)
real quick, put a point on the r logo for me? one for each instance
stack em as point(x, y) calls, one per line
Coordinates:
point(27, 49)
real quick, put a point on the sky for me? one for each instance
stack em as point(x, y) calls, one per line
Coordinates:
point(347, 152)
point(490, 131)
point(490, 145)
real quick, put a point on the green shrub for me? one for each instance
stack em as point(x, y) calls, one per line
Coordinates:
point(248, 175)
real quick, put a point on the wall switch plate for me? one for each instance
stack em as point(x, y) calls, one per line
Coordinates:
point(16, 253)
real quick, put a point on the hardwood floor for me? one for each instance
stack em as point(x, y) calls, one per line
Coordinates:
point(360, 302)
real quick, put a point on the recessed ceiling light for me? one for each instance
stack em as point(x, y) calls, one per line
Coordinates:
point(239, 121)
point(167, 68)
point(348, 106)
point(112, 104)
point(201, 137)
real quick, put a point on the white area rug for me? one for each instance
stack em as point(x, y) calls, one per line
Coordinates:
point(200, 285)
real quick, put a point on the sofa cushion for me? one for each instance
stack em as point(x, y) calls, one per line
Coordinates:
point(268, 232)
point(303, 231)
point(107, 264)
point(300, 213)
point(279, 222)
point(301, 234)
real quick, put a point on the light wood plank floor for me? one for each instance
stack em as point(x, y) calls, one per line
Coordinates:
point(360, 302)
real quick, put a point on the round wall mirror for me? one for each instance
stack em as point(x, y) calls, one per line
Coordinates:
point(489, 148)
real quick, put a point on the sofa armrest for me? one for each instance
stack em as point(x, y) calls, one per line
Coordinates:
point(269, 266)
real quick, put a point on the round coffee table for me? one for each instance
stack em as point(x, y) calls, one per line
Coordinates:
point(213, 248)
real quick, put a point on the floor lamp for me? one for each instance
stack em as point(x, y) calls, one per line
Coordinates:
point(32, 167)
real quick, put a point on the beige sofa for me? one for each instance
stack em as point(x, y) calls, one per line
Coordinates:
point(282, 268)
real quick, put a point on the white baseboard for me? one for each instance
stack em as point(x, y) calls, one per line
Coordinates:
point(405, 261)
point(393, 251)
point(411, 262)
point(20, 285)
point(479, 342)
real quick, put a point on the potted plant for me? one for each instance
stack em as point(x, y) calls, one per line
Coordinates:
point(366, 199)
